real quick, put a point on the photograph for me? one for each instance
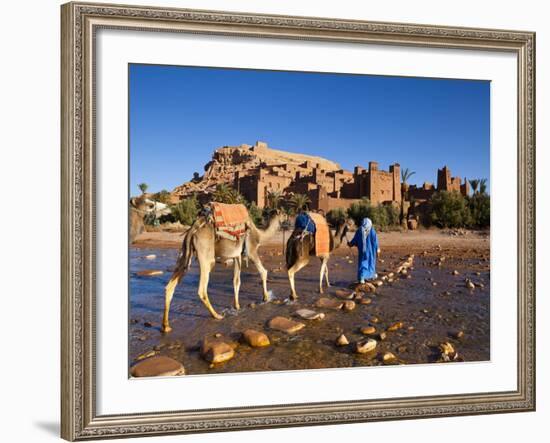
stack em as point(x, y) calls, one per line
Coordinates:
point(283, 218)
point(298, 221)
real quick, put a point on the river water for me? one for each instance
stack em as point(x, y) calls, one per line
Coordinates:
point(432, 303)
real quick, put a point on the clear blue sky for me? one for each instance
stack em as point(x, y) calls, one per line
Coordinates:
point(179, 115)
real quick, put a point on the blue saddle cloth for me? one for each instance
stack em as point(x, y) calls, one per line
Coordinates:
point(304, 223)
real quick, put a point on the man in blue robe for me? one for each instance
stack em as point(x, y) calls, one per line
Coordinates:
point(366, 240)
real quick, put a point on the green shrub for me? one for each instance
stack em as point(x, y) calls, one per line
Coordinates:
point(450, 210)
point(359, 210)
point(162, 196)
point(382, 216)
point(186, 211)
point(480, 210)
point(393, 214)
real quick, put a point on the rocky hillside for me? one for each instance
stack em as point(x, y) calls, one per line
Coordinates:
point(228, 160)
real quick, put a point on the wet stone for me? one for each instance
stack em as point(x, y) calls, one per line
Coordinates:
point(368, 330)
point(160, 366)
point(329, 303)
point(395, 326)
point(448, 352)
point(342, 340)
point(308, 314)
point(146, 354)
point(286, 325)
point(364, 347)
point(216, 350)
point(344, 295)
point(255, 338)
point(149, 272)
point(349, 305)
point(457, 334)
point(389, 359)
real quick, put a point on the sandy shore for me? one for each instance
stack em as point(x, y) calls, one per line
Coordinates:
point(416, 239)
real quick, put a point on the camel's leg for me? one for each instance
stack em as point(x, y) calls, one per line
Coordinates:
point(237, 280)
point(322, 273)
point(300, 263)
point(326, 275)
point(205, 269)
point(260, 267)
point(168, 294)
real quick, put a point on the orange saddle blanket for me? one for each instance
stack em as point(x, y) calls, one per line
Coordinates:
point(230, 220)
point(322, 234)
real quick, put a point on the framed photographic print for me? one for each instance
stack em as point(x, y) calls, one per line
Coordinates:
point(282, 221)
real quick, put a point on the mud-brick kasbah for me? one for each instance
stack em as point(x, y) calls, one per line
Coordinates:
point(255, 170)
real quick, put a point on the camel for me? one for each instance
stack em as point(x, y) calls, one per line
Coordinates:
point(201, 241)
point(301, 247)
point(141, 207)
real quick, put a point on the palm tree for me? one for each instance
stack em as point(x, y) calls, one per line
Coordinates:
point(474, 183)
point(226, 194)
point(143, 187)
point(483, 186)
point(274, 199)
point(299, 201)
point(406, 174)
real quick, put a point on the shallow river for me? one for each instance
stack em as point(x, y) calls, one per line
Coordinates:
point(432, 303)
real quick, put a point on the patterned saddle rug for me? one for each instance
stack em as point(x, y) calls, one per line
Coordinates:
point(229, 220)
point(322, 234)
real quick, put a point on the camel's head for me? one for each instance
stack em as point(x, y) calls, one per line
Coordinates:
point(148, 206)
point(343, 226)
point(274, 213)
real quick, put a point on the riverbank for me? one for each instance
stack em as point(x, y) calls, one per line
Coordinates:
point(419, 239)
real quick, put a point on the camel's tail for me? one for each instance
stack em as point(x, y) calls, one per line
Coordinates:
point(186, 254)
point(290, 252)
point(298, 245)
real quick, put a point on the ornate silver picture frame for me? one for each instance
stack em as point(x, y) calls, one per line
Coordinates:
point(80, 22)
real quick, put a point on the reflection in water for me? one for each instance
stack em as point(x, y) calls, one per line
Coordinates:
point(430, 313)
